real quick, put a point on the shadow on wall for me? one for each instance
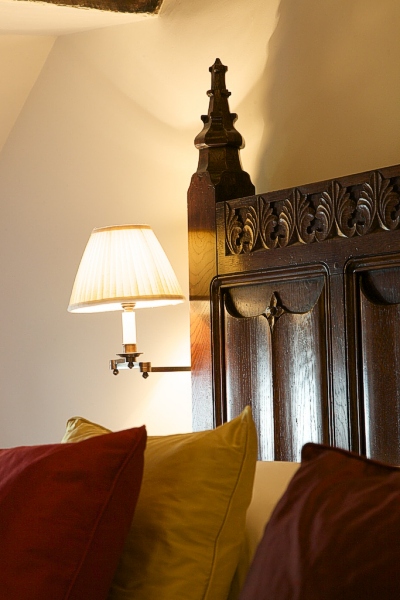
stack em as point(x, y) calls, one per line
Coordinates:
point(331, 91)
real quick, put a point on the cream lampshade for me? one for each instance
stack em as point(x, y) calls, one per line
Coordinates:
point(124, 268)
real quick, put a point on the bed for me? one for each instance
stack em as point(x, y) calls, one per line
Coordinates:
point(294, 301)
point(295, 308)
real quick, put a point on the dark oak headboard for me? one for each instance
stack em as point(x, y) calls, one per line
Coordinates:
point(295, 300)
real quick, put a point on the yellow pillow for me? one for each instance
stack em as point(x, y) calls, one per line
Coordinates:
point(189, 523)
point(79, 429)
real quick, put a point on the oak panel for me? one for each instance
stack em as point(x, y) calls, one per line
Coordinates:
point(380, 345)
point(274, 358)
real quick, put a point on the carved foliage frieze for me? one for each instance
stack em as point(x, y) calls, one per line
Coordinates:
point(274, 221)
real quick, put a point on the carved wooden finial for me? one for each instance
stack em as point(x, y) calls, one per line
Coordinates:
point(219, 176)
point(218, 71)
point(219, 142)
point(219, 129)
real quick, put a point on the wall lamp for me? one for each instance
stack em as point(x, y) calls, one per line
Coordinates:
point(125, 268)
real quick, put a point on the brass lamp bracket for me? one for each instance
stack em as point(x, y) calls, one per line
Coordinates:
point(146, 368)
point(129, 361)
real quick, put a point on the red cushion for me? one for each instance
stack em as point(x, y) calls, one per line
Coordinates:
point(334, 535)
point(65, 510)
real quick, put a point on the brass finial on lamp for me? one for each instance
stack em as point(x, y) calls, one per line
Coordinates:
point(125, 268)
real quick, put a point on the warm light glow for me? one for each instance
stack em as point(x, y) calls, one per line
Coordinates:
point(123, 264)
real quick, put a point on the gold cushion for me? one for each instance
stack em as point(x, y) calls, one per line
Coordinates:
point(79, 429)
point(189, 523)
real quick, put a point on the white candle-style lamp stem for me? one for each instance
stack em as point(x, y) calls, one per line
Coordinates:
point(129, 328)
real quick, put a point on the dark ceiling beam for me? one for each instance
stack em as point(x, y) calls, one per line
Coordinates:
point(124, 6)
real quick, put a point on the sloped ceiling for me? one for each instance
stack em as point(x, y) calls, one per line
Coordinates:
point(61, 17)
point(28, 29)
point(21, 60)
point(128, 6)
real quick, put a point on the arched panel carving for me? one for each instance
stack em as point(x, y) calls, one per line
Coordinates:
point(275, 359)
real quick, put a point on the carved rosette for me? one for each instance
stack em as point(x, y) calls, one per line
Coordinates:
point(268, 222)
point(273, 311)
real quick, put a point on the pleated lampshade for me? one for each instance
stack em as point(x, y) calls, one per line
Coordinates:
point(123, 264)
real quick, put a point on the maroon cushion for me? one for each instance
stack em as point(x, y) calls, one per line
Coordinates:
point(334, 535)
point(65, 510)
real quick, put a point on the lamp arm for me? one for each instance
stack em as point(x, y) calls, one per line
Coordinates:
point(129, 361)
point(146, 368)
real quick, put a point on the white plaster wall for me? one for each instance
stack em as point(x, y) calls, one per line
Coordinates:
point(107, 137)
